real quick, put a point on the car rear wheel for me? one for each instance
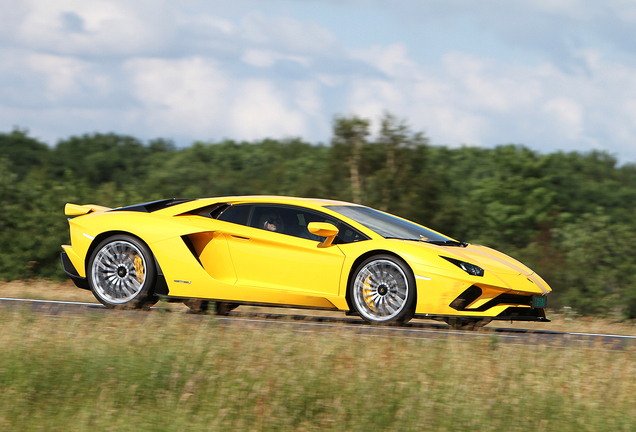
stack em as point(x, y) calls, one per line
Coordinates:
point(121, 273)
point(383, 290)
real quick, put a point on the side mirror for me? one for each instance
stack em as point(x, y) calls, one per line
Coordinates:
point(323, 229)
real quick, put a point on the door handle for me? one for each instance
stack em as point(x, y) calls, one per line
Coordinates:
point(238, 237)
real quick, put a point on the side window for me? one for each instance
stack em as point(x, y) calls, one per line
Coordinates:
point(346, 234)
point(271, 218)
point(288, 220)
point(239, 214)
point(306, 217)
point(211, 211)
point(291, 221)
point(349, 235)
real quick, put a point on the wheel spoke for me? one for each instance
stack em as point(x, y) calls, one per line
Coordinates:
point(394, 302)
point(380, 290)
point(118, 271)
point(388, 308)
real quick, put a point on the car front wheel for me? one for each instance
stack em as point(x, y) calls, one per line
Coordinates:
point(121, 273)
point(383, 290)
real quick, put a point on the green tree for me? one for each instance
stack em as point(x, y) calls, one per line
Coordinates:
point(600, 265)
point(348, 144)
point(514, 201)
point(102, 158)
point(289, 167)
point(396, 176)
point(32, 223)
point(23, 153)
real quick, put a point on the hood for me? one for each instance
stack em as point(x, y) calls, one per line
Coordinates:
point(512, 272)
point(490, 259)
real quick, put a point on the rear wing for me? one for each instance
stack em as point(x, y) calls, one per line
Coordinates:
point(78, 210)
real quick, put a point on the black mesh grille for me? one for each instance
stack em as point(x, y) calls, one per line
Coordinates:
point(522, 314)
point(474, 292)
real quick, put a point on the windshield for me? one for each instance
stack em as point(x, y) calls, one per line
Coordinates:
point(389, 226)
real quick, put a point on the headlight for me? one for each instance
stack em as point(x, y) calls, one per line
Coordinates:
point(469, 268)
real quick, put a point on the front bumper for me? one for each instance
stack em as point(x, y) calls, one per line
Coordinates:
point(510, 314)
point(440, 296)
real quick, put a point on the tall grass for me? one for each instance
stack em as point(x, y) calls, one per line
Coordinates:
point(172, 372)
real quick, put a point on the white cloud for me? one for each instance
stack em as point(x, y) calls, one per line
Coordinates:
point(95, 27)
point(183, 94)
point(67, 76)
point(39, 79)
point(260, 110)
point(548, 74)
point(306, 96)
point(287, 33)
point(472, 100)
point(567, 114)
point(266, 58)
point(194, 94)
point(456, 126)
point(370, 97)
point(205, 24)
point(393, 60)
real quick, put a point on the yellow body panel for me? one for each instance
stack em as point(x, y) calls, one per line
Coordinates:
point(205, 258)
point(284, 262)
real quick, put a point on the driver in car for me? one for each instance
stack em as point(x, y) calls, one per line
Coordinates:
point(272, 222)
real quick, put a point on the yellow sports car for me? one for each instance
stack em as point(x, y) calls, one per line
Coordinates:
point(310, 253)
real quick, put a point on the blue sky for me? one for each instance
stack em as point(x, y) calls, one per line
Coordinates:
point(548, 74)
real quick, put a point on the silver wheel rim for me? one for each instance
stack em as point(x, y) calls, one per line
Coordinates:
point(380, 290)
point(119, 272)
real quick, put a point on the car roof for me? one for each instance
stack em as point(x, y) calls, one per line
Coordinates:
point(285, 200)
point(251, 199)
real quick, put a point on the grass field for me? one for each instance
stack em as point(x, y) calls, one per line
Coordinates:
point(138, 371)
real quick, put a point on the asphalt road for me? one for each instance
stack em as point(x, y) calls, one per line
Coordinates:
point(416, 329)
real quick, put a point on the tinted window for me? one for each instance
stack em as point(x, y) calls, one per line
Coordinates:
point(211, 211)
point(294, 220)
point(349, 235)
point(236, 214)
point(387, 225)
point(287, 220)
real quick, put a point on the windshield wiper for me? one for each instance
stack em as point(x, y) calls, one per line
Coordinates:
point(446, 243)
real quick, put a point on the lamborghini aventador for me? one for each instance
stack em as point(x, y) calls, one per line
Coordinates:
point(299, 252)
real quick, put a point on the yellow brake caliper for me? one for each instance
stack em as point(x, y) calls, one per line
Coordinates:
point(139, 268)
point(367, 293)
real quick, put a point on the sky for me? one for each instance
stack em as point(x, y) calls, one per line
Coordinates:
point(553, 75)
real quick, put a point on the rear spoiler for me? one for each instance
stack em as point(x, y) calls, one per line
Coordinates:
point(78, 210)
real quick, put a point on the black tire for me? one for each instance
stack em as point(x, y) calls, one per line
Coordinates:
point(121, 273)
point(383, 290)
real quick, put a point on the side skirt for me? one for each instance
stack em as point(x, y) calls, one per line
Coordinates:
point(171, 299)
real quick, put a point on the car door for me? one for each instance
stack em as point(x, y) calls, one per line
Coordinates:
point(289, 258)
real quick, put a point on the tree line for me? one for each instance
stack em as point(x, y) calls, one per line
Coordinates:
point(569, 216)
